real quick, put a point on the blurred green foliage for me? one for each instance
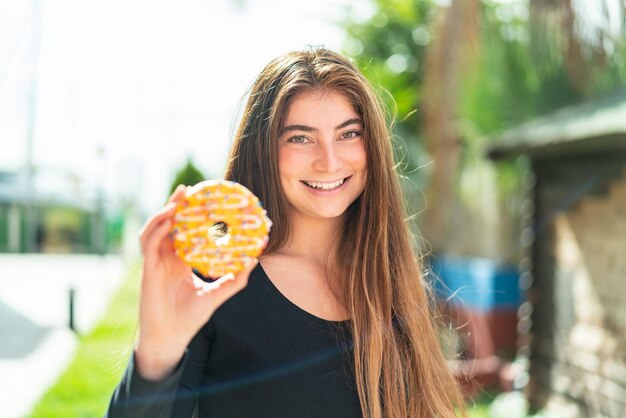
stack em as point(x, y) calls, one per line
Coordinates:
point(4, 228)
point(64, 229)
point(513, 81)
point(390, 50)
point(188, 175)
point(525, 60)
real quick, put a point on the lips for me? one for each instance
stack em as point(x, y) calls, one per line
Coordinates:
point(326, 186)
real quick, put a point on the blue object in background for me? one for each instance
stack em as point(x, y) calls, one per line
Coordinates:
point(475, 283)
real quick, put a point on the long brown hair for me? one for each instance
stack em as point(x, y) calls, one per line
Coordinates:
point(399, 366)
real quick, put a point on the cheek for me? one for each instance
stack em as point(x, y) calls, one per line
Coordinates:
point(360, 165)
point(360, 157)
point(354, 156)
point(288, 162)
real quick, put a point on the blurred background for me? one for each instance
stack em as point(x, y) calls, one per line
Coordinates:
point(509, 121)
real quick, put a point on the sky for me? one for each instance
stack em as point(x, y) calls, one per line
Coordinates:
point(117, 94)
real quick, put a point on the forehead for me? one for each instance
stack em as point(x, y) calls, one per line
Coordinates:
point(318, 106)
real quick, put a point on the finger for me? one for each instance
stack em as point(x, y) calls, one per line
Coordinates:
point(220, 290)
point(165, 212)
point(167, 245)
point(153, 242)
point(177, 194)
point(154, 221)
point(249, 265)
point(227, 286)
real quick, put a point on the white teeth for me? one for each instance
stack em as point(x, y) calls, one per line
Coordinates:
point(325, 186)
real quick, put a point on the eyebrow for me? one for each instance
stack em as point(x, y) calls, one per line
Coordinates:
point(306, 128)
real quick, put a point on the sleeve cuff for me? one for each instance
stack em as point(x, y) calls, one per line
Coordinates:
point(142, 385)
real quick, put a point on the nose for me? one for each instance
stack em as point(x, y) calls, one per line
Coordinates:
point(328, 158)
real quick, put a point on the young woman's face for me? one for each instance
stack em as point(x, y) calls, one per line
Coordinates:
point(321, 155)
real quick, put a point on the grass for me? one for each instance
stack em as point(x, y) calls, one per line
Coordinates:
point(479, 407)
point(84, 389)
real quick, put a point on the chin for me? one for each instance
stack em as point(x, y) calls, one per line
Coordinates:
point(329, 213)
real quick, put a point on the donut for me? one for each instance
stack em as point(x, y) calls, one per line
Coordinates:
point(218, 225)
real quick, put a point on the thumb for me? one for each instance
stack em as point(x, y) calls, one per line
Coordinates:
point(227, 286)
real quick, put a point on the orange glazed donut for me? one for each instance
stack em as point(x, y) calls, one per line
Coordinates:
point(208, 203)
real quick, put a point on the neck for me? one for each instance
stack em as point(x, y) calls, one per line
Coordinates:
point(314, 239)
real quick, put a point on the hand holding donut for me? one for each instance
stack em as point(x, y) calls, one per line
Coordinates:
point(174, 303)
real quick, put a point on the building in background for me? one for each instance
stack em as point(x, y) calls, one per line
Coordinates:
point(62, 219)
point(574, 325)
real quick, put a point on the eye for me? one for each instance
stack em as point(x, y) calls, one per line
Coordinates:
point(298, 139)
point(351, 134)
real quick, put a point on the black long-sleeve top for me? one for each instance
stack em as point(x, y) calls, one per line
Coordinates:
point(259, 356)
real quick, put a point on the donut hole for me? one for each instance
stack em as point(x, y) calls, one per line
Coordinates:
point(218, 232)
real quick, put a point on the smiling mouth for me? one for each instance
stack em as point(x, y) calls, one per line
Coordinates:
point(326, 186)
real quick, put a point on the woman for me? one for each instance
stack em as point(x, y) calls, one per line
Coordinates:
point(334, 321)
